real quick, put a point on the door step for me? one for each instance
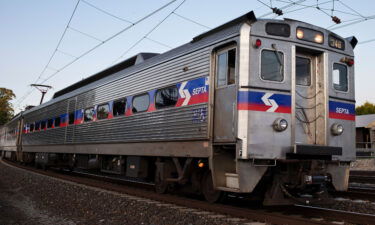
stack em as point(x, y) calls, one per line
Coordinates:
point(232, 180)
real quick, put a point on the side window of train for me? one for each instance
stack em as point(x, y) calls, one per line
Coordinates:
point(31, 127)
point(340, 77)
point(103, 111)
point(43, 125)
point(71, 118)
point(57, 121)
point(50, 123)
point(272, 66)
point(119, 107)
point(166, 97)
point(37, 126)
point(141, 103)
point(226, 67)
point(89, 114)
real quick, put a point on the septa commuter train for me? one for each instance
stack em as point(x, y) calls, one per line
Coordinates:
point(254, 106)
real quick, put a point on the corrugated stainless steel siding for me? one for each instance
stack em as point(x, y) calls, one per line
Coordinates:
point(169, 124)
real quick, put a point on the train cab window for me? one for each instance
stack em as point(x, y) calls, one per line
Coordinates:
point(303, 71)
point(141, 103)
point(57, 121)
point(119, 107)
point(272, 65)
point(166, 97)
point(71, 118)
point(37, 126)
point(340, 77)
point(103, 111)
point(32, 126)
point(226, 67)
point(50, 123)
point(89, 114)
point(43, 125)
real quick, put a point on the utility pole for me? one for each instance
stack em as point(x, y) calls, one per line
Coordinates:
point(42, 88)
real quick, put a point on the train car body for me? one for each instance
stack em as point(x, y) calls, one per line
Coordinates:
point(248, 103)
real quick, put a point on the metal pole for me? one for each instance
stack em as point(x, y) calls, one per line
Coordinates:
point(41, 100)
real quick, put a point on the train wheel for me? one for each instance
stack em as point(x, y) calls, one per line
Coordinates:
point(208, 190)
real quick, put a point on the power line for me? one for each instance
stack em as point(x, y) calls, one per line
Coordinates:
point(61, 38)
point(148, 33)
point(96, 46)
point(54, 52)
point(355, 22)
point(284, 7)
point(106, 12)
point(365, 42)
point(190, 20)
point(85, 34)
point(158, 42)
point(342, 3)
point(305, 6)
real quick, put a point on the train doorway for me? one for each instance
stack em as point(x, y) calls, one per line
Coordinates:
point(225, 95)
point(309, 98)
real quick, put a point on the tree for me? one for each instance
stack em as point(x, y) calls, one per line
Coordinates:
point(6, 110)
point(366, 108)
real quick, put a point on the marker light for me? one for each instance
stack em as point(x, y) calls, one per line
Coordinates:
point(348, 61)
point(257, 43)
point(318, 38)
point(280, 124)
point(337, 129)
point(307, 34)
point(300, 34)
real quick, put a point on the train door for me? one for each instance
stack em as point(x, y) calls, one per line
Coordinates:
point(225, 95)
point(69, 129)
point(309, 98)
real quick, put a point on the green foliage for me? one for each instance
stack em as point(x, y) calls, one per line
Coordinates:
point(6, 110)
point(366, 108)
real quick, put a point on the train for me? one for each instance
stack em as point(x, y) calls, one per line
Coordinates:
point(254, 107)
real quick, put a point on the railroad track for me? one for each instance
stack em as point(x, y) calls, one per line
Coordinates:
point(291, 215)
point(361, 176)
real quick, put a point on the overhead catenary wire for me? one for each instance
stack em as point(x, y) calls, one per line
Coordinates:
point(314, 6)
point(284, 7)
point(148, 33)
point(342, 3)
point(52, 55)
point(190, 20)
point(85, 34)
point(158, 42)
point(304, 6)
point(355, 22)
point(106, 12)
point(98, 45)
point(367, 41)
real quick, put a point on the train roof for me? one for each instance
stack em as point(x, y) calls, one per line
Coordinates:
point(107, 72)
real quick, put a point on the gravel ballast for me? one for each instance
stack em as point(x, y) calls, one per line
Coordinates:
point(28, 198)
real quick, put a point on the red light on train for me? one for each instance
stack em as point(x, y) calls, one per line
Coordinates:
point(258, 43)
point(348, 61)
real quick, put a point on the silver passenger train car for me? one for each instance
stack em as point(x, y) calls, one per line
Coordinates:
point(263, 107)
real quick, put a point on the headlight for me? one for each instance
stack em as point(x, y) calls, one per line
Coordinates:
point(280, 124)
point(337, 129)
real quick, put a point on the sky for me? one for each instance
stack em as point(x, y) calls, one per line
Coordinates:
point(31, 30)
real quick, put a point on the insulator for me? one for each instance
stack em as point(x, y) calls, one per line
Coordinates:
point(277, 11)
point(336, 19)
